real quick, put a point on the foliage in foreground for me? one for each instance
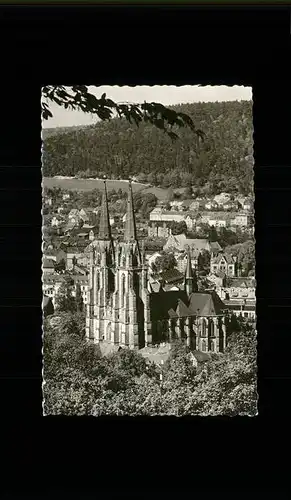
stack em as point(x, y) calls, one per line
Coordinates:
point(79, 98)
point(79, 381)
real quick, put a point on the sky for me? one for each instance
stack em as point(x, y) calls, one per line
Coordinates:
point(165, 94)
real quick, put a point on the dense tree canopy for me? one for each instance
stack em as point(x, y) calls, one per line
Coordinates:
point(164, 262)
point(222, 162)
point(79, 381)
point(246, 257)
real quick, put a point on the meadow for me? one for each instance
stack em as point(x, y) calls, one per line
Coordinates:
point(73, 184)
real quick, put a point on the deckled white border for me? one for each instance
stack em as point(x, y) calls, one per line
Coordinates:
point(254, 164)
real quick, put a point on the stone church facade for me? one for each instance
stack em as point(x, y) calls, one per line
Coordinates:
point(124, 311)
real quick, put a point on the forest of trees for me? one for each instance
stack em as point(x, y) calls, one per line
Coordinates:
point(79, 381)
point(222, 162)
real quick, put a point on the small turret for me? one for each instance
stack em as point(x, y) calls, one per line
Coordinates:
point(190, 276)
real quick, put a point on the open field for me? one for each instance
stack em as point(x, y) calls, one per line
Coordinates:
point(90, 184)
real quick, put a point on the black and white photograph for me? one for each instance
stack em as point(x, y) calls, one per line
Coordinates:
point(148, 251)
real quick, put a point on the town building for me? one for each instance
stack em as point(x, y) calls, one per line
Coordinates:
point(122, 310)
point(51, 284)
point(230, 220)
point(182, 259)
point(57, 221)
point(180, 243)
point(75, 255)
point(48, 201)
point(223, 263)
point(48, 266)
point(159, 229)
point(239, 296)
point(47, 306)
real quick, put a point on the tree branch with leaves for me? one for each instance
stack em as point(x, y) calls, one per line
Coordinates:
point(78, 97)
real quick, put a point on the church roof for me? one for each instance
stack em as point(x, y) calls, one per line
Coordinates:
point(46, 301)
point(241, 282)
point(48, 263)
point(172, 275)
point(205, 304)
point(226, 256)
point(180, 242)
point(177, 304)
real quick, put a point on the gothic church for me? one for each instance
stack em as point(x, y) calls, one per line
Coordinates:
point(122, 309)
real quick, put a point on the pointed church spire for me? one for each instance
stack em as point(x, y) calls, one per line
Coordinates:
point(189, 271)
point(104, 224)
point(190, 278)
point(130, 225)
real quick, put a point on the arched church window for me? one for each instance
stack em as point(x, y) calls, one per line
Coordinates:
point(211, 328)
point(212, 345)
point(203, 327)
point(122, 288)
point(97, 281)
point(203, 346)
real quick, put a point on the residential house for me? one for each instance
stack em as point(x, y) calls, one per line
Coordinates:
point(79, 269)
point(195, 205)
point(240, 220)
point(57, 221)
point(48, 201)
point(176, 205)
point(66, 196)
point(83, 215)
point(231, 205)
point(215, 219)
point(160, 354)
point(182, 259)
point(223, 263)
point(52, 283)
point(75, 254)
point(217, 279)
point(48, 266)
point(239, 296)
point(180, 243)
point(230, 220)
point(74, 214)
point(186, 204)
point(50, 255)
point(159, 229)
point(222, 198)
point(211, 204)
point(160, 215)
point(86, 232)
point(246, 203)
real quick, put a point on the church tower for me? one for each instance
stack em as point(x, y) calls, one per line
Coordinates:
point(118, 309)
point(101, 278)
point(131, 311)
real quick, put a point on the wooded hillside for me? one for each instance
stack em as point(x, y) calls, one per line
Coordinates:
point(224, 161)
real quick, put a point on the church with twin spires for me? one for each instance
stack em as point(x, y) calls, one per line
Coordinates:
point(122, 308)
